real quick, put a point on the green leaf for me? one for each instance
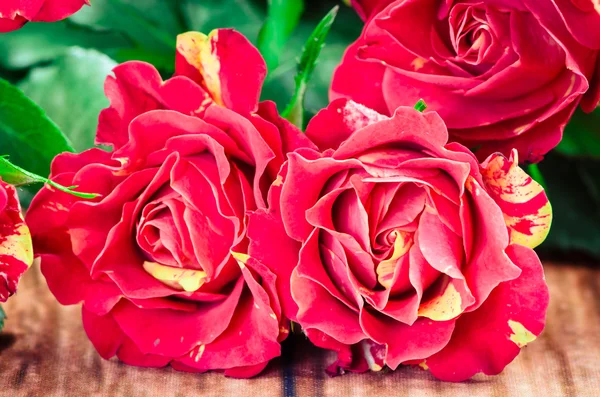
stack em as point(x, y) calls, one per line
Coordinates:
point(280, 86)
point(71, 91)
point(162, 61)
point(148, 24)
point(582, 135)
point(17, 176)
point(573, 186)
point(310, 55)
point(42, 42)
point(421, 106)
point(283, 17)
point(2, 318)
point(26, 133)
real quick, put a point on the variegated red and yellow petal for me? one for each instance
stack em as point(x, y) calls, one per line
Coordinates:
point(17, 245)
point(488, 339)
point(443, 307)
point(16, 251)
point(197, 59)
point(213, 60)
point(451, 299)
point(524, 203)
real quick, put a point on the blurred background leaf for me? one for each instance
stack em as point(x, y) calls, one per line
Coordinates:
point(282, 18)
point(27, 135)
point(246, 16)
point(571, 174)
point(36, 43)
point(573, 186)
point(582, 135)
point(71, 91)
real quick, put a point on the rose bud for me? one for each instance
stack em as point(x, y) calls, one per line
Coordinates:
point(501, 74)
point(160, 261)
point(16, 253)
point(16, 13)
point(403, 249)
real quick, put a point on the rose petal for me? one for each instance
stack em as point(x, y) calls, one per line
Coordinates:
point(136, 88)
point(147, 326)
point(406, 342)
point(487, 339)
point(486, 265)
point(340, 119)
point(308, 177)
point(364, 87)
point(339, 321)
point(8, 24)
point(213, 61)
point(526, 208)
point(249, 340)
point(57, 10)
point(407, 125)
point(440, 246)
point(104, 333)
point(270, 245)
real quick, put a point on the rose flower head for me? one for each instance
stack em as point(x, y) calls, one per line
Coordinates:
point(502, 74)
point(16, 13)
point(160, 260)
point(410, 251)
point(16, 253)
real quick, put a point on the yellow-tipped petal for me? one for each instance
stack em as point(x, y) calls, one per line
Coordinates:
point(199, 51)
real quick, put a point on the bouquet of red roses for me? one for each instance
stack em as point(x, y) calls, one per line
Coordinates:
point(395, 227)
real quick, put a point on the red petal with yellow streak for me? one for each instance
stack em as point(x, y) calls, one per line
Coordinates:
point(524, 203)
point(226, 64)
point(488, 339)
point(16, 252)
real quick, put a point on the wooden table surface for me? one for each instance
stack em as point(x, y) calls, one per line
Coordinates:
point(44, 352)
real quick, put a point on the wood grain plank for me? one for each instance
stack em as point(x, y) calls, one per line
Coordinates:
point(45, 352)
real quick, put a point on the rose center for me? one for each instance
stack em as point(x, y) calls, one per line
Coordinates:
point(472, 35)
point(160, 236)
point(164, 238)
point(387, 268)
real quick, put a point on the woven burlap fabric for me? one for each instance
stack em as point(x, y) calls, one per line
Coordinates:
point(44, 352)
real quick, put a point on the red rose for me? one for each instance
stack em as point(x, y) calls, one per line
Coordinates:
point(16, 254)
point(16, 13)
point(160, 261)
point(410, 252)
point(502, 74)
